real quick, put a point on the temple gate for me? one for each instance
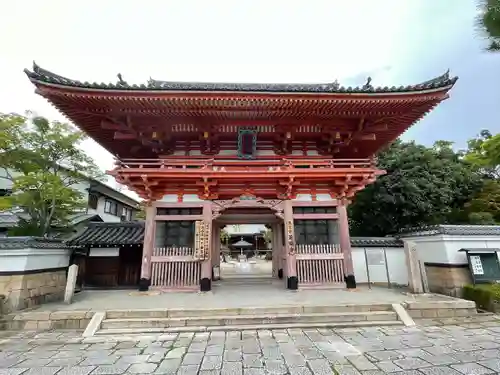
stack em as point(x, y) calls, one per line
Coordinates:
point(194, 150)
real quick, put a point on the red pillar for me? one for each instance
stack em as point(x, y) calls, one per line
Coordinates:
point(291, 261)
point(345, 245)
point(147, 247)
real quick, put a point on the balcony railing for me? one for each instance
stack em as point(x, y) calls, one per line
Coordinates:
point(229, 165)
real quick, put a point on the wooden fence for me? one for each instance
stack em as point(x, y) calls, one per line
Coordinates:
point(175, 268)
point(320, 265)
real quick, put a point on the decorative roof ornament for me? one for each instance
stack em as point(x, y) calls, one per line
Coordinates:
point(368, 85)
point(121, 82)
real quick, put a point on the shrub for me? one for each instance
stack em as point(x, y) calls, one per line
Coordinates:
point(485, 295)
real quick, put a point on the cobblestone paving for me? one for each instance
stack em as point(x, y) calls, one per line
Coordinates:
point(467, 348)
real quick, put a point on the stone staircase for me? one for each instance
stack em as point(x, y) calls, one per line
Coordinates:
point(118, 322)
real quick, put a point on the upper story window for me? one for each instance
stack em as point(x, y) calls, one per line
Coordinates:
point(127, 214)
point(93, 201)
point(111, 207)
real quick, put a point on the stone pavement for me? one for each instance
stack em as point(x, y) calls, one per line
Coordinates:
point(470, 346)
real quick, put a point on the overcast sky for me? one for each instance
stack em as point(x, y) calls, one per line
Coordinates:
point(393, 41)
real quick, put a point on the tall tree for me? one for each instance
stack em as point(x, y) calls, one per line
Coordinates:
point(484, 152)
point(489, 22)
point(44, 163)
point(423, 186)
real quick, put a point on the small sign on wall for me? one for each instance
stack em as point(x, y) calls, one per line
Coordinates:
point(476, 264)
point(375, 257)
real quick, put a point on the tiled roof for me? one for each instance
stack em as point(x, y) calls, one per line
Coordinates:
point(45, 76)
point(457, 230)
point(376, 242)
point(7, 243)
point(109, 234)
point(132, 233)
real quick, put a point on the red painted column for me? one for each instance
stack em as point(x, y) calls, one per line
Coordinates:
point(345, 245)
point(206, 265)
point(147, 247)
point(291, 261)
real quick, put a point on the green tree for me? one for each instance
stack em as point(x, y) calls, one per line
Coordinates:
point(423, 186)
point(44, 163)
point(484, 152)
point(488, 22)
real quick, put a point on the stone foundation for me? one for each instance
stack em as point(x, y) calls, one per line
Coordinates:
point(32, 288)
point(447, 279)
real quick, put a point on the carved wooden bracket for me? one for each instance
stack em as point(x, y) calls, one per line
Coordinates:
point(219, 206)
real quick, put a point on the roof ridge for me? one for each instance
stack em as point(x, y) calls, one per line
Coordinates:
point(45, 76)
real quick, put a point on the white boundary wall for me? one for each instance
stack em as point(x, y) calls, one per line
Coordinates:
point(29, 259)
point(378, 270)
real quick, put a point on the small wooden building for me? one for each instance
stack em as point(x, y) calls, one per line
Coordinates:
point(112, 254)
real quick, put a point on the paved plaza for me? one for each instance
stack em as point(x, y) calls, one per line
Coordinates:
point(469, 346)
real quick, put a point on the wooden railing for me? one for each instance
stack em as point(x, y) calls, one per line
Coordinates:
point(174, 268)
point(320, 265)
point(242, 165)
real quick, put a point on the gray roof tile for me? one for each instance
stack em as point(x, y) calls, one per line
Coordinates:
point(461, 230)
point(109, 234)
point(7, 243)
point(42, 75)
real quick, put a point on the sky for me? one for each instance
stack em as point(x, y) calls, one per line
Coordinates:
point(393, 41)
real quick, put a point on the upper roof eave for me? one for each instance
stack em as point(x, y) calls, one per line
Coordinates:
point(42, 76)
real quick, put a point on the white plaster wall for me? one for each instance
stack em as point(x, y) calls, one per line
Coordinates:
point(442, 248)
point(104, 252)
point(308, 198)
point(33, 259)
point(172, 198)
point(100, 211)
point(396, 265)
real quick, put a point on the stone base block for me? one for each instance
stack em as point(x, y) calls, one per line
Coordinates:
point(144, 285)
point(205, 285)
point(292, 283)
point(32, 288)
point(350, 282)
point(447, 279)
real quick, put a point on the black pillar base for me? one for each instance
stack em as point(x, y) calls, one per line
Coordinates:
point(280, 273)
point(144, 285)
point(350, 281)
point(205, 285)
point(292, 283)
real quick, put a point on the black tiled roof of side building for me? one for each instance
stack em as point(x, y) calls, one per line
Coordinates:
point(109, 234)
point(132, 233)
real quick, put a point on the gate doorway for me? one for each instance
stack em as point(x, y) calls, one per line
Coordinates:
point(248, 242)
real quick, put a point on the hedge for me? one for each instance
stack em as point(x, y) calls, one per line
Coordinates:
point(485, 295)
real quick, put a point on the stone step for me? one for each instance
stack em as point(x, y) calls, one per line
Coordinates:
point(244, 320)
point(142, 331)
point(267, 311)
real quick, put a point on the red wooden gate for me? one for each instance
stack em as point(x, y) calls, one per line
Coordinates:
point(320, 265)
point(175, 268)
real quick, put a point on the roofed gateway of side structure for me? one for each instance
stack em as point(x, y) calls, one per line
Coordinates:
point(219, 147)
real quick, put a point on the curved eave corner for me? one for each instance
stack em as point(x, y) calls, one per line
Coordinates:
point(40, 76)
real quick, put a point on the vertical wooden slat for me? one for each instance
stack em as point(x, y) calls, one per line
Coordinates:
point(320, 270)
point(174, 274)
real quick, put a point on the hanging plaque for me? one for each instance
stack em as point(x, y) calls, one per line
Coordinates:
point(477, 265)
point(201, 240)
